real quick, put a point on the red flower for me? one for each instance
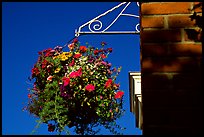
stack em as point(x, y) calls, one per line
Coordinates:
point(96, 52)
point(48, 54)
point(47, 50)
point(83, 49)
point(71, 46)
point(75, 40)
point(29, 96)
point(35, 71)
point(108, 83)
point(79, 71)
point(51, 127)
point(40, 53)
point(72, 63)
point(44, 64)
point(110, 49)
point(103, 56)
point(119, 94)
point(75, 74)
point(50, 78)
point(90, 87)
point(78, 55)
point(65, 81)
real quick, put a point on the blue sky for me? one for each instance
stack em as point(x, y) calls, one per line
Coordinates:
point(29, 27)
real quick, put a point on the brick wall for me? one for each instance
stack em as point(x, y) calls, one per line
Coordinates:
point(171, 52)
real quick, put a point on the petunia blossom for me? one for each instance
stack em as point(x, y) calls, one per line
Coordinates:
point(119, 94)
point(75, 74)
point(90, 87)
point(65, 81)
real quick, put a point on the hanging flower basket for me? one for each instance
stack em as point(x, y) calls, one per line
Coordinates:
point(75, 89)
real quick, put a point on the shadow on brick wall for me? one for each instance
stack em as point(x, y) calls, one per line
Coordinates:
point(171, 81)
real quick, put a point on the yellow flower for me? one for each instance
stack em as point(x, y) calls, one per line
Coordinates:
point(63, 57)
point(68, 54)
point(57, 70)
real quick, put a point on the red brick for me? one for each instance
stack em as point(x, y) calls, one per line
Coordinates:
point(199, 9)
point(170, 64)
point(185, 49)
point(180, 21)
point(165, 8)
point(152, 22)
point(173, 35)
point(154, 49)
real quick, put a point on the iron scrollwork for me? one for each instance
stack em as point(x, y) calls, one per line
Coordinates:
point(97, 27)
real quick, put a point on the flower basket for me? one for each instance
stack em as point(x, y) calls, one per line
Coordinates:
point(76, 89)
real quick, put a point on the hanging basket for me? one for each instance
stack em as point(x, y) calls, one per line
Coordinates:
point(75, 89)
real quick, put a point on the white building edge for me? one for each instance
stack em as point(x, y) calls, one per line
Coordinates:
point(136, 97)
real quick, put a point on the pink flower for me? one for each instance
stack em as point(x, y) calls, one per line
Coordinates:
point(79, 72)
point(72, 63)
point(101, 97)
point(108, 83)
point(104, 63)
point(90, 87)
point(50, 78)
point(75, 74)
point(119, 94)
point(66, 81)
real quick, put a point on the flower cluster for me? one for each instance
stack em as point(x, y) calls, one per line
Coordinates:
point(75, 89)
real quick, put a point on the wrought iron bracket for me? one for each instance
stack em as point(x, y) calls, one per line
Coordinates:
point(97, 28)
